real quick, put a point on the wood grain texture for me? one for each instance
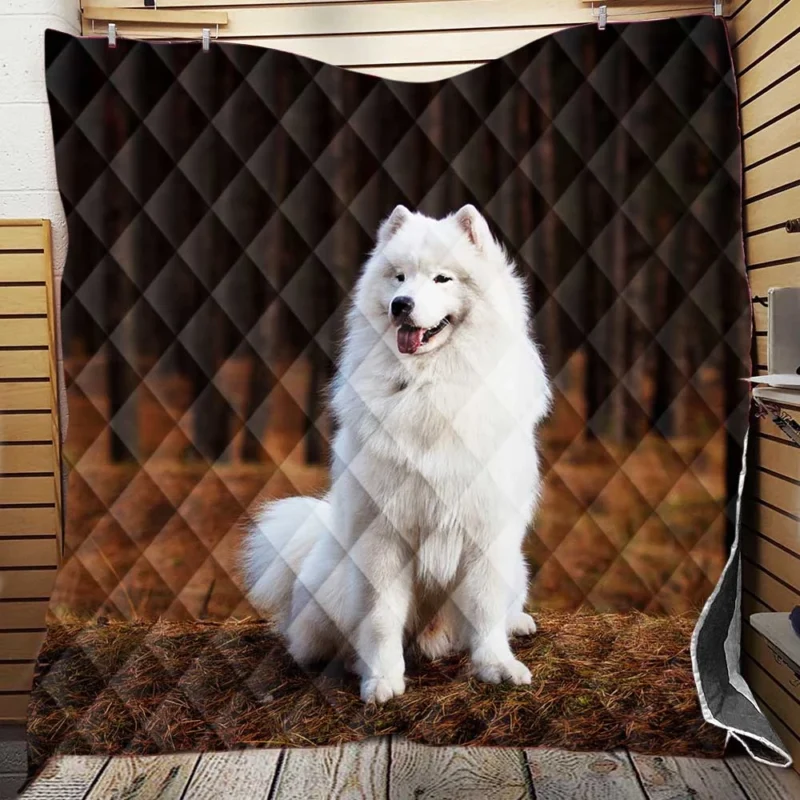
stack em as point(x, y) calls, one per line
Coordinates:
point(761, 783)
point(777, 526)
point(770, 176)
point(775, 560)
point(17, 489)
point(561, 775)
point(23, 267)
point(22, 300)
point(240, 774)
point(26, 584)
point(66, 778)
point(762, 585)
point(24, 363)
point(24, 333)
point(467, 773)
point(779, 21)
point(14, 708)
point(776, 491)
point(779, 98)
point(26, 552)
point(20, 646)
point(18, 236)
point(31, 458)
point(665, 778)
point(762, 280)
point(339, 773)
point(780, 457)
point(772, 246)
point(772, 139)
point(757, 648)
point(771, 210)
point(23, 614)
point(16, 677)
point(771, 69)
point(766, 688)
point(27, 521)
point(25, 428)
point(145, 777)
point(20, 396)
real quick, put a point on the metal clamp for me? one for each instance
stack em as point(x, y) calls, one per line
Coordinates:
point(717, 8)
point(206, 39)
point(112, 34)
point(602, 17)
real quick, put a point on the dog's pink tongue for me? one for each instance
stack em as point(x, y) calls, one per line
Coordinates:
point(409, 339)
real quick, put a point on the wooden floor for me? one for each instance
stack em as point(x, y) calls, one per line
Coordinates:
point(394, 768)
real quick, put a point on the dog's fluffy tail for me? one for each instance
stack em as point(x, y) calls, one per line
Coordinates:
point(275, 548)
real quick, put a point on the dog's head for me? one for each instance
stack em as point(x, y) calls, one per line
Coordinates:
point(425, 275)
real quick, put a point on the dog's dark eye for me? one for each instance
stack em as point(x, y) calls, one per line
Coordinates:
point(442, 279)
point(400, 277)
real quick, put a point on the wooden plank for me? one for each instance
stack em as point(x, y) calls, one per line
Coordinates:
point(240, 774)
point(406, 48)
point(22, 300)
point(773, 694)
point(27, 521)
point(764, 586)
point(16, 677)
point(469, 773)
point(20, 237)
point(762, 280)
point(770, 140)
point(24, 363)
point(777, 492)
point(18, 489)
point(775, 29)
point(760, 348)
point(66, 778)
point(665, 778)
point(22, 396)
point(27, 552)
point(756, 647)
point(145, 777)
point(26, 583)
point(765, 73)
point(776, 526)
point(31, 458)
point(779, 457)
point(761, 782)
point(24, 333)
point(752, 605)
point(748, 17)
point(347, 771)
point(562, 775)
point(23, 267)
point(14, 708)
point(775, 101)
point(18, 646)
point(773, 559)
point(772, 246)
point(760, 317)
point(155, 16)
point(770, 175)
point(35, 427)
point(771, 210)
point(25, 614)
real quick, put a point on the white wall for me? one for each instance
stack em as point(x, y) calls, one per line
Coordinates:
point(28, 187)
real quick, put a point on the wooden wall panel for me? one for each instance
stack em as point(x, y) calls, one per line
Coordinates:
point(30, 530)
point(765, 36)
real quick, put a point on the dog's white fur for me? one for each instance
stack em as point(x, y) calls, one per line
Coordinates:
point(435, 473)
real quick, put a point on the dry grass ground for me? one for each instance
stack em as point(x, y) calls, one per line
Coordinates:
point(599, 682)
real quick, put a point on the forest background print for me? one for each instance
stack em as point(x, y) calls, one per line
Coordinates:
point(220, 206)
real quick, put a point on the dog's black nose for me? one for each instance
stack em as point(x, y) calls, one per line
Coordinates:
point(402, 306)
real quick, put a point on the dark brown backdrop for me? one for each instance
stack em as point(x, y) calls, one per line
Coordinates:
point(220, 206)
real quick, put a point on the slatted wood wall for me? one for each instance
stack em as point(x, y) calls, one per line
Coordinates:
point(765, 39)
point(412, 40)
point(30, 503)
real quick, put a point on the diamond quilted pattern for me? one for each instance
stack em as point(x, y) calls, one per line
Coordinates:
point(219, 206)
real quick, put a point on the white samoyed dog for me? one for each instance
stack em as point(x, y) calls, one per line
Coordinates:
point(435, 474)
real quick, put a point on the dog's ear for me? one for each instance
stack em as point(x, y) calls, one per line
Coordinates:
point(393, 223)
point(474, 226)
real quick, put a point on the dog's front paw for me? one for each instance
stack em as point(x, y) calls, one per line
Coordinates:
point(521, 624)
point(381, 688)
point(511, 671)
